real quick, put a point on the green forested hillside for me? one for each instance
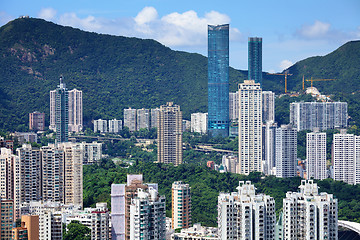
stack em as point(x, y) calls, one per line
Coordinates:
point(113, 72)
point(119, 72)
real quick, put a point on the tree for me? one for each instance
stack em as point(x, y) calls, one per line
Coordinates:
point(77, 231)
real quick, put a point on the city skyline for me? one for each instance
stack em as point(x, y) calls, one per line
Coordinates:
point(288, 35)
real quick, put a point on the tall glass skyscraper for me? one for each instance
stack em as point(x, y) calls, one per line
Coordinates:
point(255, 60)
point(61, 112)
point(218, 80)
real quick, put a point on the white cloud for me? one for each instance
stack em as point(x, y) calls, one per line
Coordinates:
point(316, 30)
point(284, 64)
point(4, 18)
point(47, 14)
point(89, 23)
point(148, 14)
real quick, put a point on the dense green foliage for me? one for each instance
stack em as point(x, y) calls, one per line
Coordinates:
point(205, 187)
point(77, 231)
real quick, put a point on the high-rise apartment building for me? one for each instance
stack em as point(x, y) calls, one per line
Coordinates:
point(231, 163)
point(316, 155)
point(255, 59)
point(154, 117)
point(142, 119)
point(100, 125)
point(346, 158)
point(147, 215)
point(115, 126)
point(7, 160)
point(199, 122)
point(309, 215)
point(169, 133)
point(268, 106)
point(234, 106)
point(250, 127)
point(321, 115)
point(37, 121)
point(92, 152)
point(218, 80)
point(269, 147)
point(286, 151)
point(27, 176)
point(31, 223)
point(73, 173)
point(181, 205)
point(121, 202)
point(59, 112)
point(130, 119)
point(7, 218)
point(75, 110)
point(246, 215)
point(52, 177)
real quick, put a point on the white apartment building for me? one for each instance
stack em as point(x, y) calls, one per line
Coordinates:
point(115, 126)
point(250, 127)
point(346, 158)
point(269, 149)
point(316, 155)
point(75, 110)
point(142, 119)
point(322, 115)
point(199, 122)
point(181, 205)
point(196, 232)
point(234, 106)
point(7, 160)
point(231, 163)
point(268, 106)
point(92, 152)
point(130, 119)
point(97, 219)
point(147, 215)
point(246, 215)
point(154, 117)
point(100, 125)
point(73, 173)
point(309, 215)
point(286, 151)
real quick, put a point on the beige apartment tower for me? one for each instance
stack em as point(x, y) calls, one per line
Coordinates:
point(181, 205)
point(250, 127)
point(170, 134)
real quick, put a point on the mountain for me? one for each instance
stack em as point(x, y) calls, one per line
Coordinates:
point(113, 72)
point(117, 72)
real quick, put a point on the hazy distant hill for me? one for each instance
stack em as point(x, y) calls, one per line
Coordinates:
point(119, 72)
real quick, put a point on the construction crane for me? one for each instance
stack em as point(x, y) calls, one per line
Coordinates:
point(282, 74)
point(316, 80)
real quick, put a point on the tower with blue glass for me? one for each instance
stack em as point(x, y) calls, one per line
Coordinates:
point(61, 112)
point(255, 59)
point(218, 80)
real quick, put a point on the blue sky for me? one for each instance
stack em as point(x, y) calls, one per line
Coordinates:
point(291, 30)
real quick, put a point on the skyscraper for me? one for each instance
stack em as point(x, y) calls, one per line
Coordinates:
point(250, 127)
point(309, 215)
point(255, 59)
point(286, 151)
point(181, 205)
point(169, 133)
point(142, 119)
point(246, 215)
point(59, 101)
point(130, 119)
point(316, 155)
point(234, 106)
point(268, 106)
point(37, 121)
point(75, 110)
point(269, 147)
point(199, 122)
point(218, 80)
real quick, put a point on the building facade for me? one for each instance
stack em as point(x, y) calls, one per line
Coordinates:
point(218, 80)
point(255, 59)
point(309, 215)
point(250, 127)
point(130, 119)
point(37, 121)
point(7, 160)
point(321, 115)
point(286, 151)
point(268, 106)
point(7, 218)
point(92, 152)
point(181, 205)
point(142, 119)
point(115, 126)
point(316, 155)
point(246, 215)
point(154, 114)
point(100, 125)
point(199, 122)
point(346, 158)
point(269, 147)
point(234, 106)
point(169, 134)
point(75, 110)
